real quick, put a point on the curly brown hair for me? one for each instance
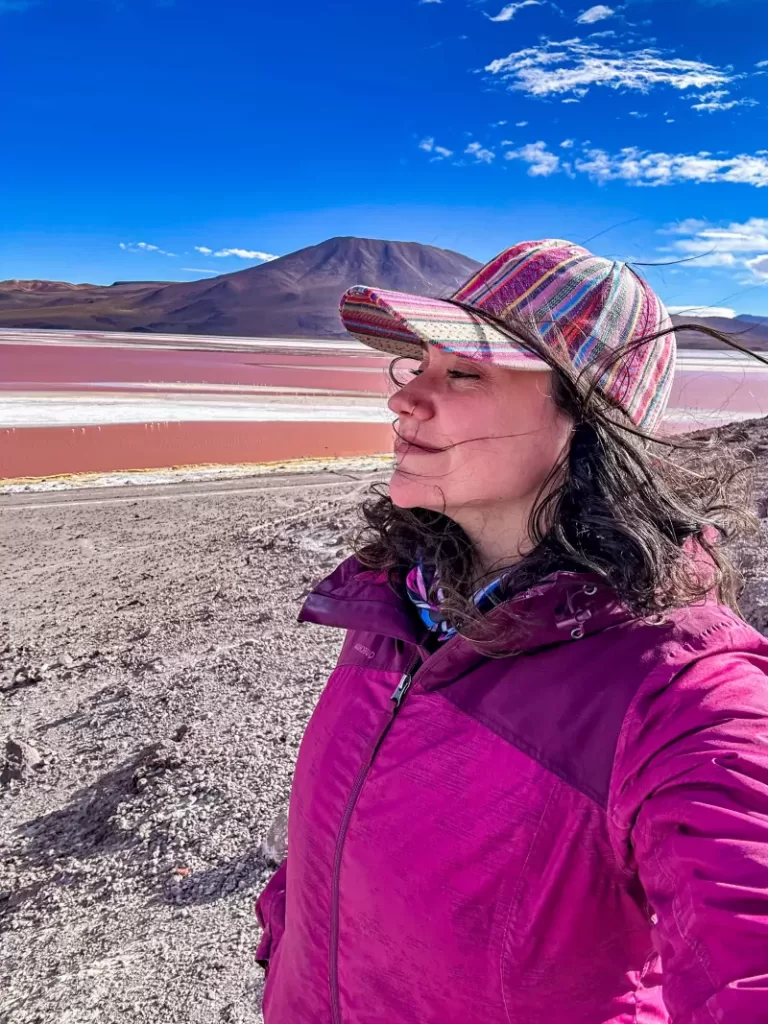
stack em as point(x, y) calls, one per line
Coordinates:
point(646, 513)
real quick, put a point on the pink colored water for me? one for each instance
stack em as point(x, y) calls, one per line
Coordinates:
point(709, 388)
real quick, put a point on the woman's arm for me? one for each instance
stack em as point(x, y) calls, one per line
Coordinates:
point(689, 812)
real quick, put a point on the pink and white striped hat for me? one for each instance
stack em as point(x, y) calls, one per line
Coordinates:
point(584, 306)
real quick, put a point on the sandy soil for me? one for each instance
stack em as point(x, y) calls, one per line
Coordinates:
point(155, 686)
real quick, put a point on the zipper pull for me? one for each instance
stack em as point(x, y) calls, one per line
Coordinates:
point(402, 688)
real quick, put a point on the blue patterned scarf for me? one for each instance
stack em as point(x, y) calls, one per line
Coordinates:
point(427, 596)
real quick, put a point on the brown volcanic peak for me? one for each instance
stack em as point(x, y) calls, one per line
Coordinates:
point(298, 294)
point(295, 295)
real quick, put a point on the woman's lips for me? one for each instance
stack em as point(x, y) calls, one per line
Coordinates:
point(405, 447)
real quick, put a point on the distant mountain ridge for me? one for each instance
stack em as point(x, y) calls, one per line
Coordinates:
point(294, 296)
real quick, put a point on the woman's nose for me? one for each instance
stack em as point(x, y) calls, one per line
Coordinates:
point(408, 401)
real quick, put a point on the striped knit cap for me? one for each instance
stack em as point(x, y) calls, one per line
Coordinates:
point(583, 306)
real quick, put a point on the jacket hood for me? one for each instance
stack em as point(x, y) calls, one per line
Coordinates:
point(562, 608)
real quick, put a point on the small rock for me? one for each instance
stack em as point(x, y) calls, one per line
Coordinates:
point(19, 758)
point(275, 845)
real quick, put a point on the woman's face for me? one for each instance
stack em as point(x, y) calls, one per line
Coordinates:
point(474, 438)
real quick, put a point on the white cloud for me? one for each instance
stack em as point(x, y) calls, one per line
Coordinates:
point(573, 67)
point(507, 13)
point(689, 226)
point(715, 259)
point(567, 143)
point(725, 312)
point(759, 266)
point(203, 249)
point(521, 124)
point(607, 34)
point(598, 13)
point(541, 163)
point(640, 167)
point(144, 247)
point(439, 152)
point(762, 64)
point(747, 237)
point(728, 246)
point(430, 1)
point(480, 154)
point(200, 270)
point(498, 124)
point(636, 113)
point(247, 254)
point(715, 100)
point(506, 142)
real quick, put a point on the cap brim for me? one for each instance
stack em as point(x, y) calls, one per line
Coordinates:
point(403, 324)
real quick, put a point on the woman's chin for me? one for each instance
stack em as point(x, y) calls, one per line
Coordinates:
point(408, 491)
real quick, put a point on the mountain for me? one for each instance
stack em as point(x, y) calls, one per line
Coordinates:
point(293, 296)
point(750, 332)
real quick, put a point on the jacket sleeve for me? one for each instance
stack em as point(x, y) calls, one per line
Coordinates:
point(688, 809)
point(270, 911)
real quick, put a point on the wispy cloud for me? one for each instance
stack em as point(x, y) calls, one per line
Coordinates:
point(430, 1)
point(200, 270)
point(507, 13)
point(541, 162)
point(567, 143)
point(716, 100)
point(438, 152)
point(641, 167)
point(762, 64)
point(638, 167)
point(144, 247)
point(247, 254)
point(572, 67)
point(759, 266)
point(481, 155)
point(593, 14)
point(521, 124)
point(751, 236)
point(243, 254)
point(730, 246)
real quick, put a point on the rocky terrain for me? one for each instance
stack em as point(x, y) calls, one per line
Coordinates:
point(154, 688)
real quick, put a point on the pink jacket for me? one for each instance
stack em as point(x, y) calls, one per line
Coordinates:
point(574, 835)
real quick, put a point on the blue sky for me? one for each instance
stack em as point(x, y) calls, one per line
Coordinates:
point(163, 139)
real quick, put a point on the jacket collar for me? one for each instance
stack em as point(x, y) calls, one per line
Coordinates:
point(563, 608)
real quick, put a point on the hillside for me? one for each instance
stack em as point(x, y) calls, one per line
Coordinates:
point(296, 295)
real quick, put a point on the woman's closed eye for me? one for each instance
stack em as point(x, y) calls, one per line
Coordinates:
point(453, 374)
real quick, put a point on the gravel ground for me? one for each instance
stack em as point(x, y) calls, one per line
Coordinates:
point(154, 688)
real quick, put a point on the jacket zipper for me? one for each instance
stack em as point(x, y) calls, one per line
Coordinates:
point(397, 698)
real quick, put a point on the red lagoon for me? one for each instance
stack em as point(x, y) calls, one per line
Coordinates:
point(73, 402)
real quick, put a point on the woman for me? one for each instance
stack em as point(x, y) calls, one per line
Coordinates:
point(535, 788)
